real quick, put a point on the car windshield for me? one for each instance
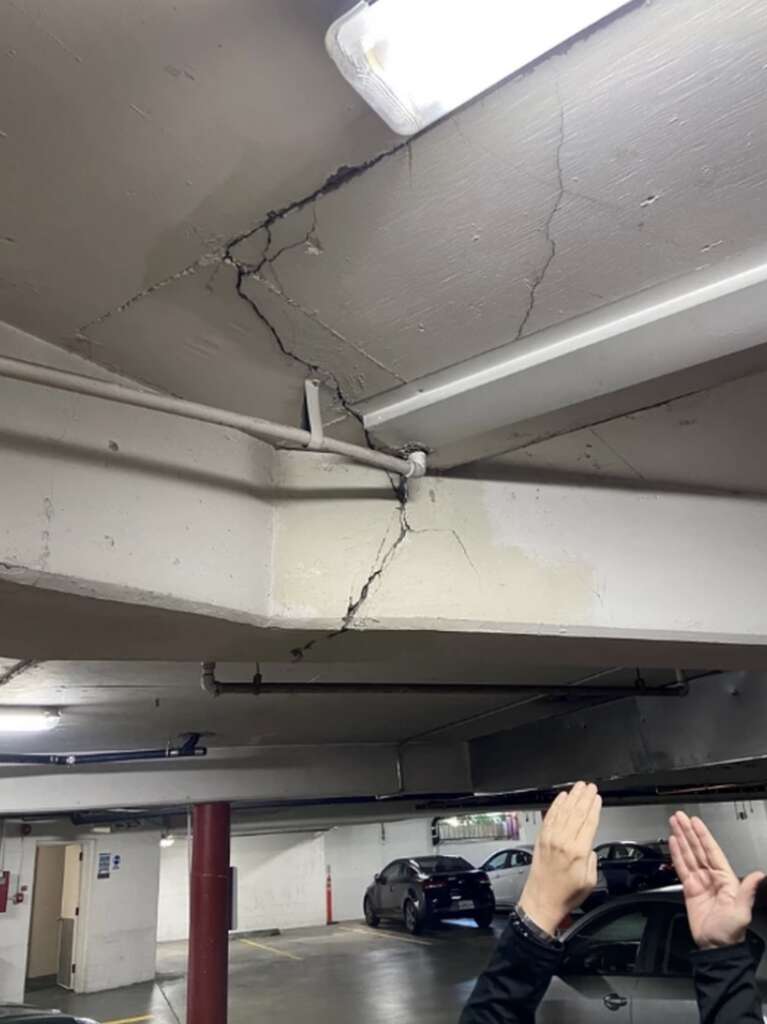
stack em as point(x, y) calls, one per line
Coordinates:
point(660, 848)
point(442, 865)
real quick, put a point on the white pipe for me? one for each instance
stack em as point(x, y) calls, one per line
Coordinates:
point(265, 430)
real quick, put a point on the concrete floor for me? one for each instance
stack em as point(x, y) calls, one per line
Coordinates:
point(348, 973)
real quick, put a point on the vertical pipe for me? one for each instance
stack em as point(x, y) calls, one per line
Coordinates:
point(207, 982)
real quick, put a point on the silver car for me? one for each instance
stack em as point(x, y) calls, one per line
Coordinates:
point(629, 961)
point(508, 870)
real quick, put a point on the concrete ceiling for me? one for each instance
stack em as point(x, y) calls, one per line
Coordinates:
point(149, 147)
point(194, 198)
point(122, 705)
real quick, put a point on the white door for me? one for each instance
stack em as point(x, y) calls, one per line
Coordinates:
point(600, 970)
point(70, 914)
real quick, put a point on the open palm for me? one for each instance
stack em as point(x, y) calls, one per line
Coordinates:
point(719, 905)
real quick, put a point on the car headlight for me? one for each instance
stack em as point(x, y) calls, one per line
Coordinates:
point(84, 1020)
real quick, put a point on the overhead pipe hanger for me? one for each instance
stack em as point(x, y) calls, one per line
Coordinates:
point(257, 687)
point(276, 434)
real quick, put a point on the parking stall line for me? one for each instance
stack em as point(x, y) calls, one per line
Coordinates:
point(373, 934)
point(271, 949)
point(131, 1020)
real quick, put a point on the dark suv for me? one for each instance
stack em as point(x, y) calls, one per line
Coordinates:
point(631, 867)
point(420, 890)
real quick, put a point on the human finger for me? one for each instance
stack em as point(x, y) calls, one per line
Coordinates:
point(677, 859)
point(572, 808)
point(552, 815)
point(685, 850)
point(590, 822)
point(711, 849)
point(686, 833)
point(747, 891)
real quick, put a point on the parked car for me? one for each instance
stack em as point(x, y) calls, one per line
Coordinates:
point(421, 890)
point(629, 961)
point(12, 1013)
point(632, 867)
point(508, 870)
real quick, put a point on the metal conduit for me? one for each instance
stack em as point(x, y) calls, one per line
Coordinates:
point(265, 430)
point(257, 687)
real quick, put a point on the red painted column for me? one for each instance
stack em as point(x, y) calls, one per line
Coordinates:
point(207, 981)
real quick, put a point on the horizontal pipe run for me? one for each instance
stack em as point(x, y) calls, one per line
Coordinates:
point(105, 757)
point(258, 688)
point(264, 430)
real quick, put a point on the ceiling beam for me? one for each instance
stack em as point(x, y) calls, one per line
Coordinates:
point(670, 340)
point(720, 722)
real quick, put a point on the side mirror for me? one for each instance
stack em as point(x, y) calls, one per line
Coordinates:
point(377, 879)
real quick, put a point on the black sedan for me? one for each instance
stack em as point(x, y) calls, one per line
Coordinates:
point(420, 890)
point(11, 1013)
point(632, 867)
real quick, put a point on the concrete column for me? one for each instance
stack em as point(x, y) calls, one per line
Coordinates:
point(207, 982)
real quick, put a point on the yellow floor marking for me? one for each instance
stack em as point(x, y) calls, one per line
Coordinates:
point(373, 933)
point(131, 1020)
point(271, 949)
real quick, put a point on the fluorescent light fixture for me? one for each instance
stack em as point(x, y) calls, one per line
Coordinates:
point(167, 840)
point(414, 61)
point(28, 719)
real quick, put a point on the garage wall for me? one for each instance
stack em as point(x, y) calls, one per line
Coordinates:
point(355, 853)
point(741, 829)
point(280, 883)
point(18, 857)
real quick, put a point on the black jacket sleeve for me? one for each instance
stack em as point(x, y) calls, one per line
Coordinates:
point(511, 988)
point(725, 985)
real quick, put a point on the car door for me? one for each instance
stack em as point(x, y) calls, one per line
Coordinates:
point(519, 869)
point(500, 876)
point(604, 957)
point(667, 991)
point(384, 887)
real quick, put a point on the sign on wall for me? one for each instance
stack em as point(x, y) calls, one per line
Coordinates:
point(105, 860)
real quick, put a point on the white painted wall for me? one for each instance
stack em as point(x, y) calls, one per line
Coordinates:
point(18, 857)
point(119, 913)
point(355, 853)
point(280, 883)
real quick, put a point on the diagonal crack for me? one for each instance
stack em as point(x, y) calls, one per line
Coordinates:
point(332, 183)
point(203, 261)
point(18, 669)
point(551, 245)
point(384, 557)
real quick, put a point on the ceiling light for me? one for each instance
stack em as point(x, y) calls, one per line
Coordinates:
point(167, 840)
point(28, 719)
point(414, 62)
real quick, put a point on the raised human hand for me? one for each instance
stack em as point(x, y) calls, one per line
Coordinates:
point(564, 868)
point(719, 905)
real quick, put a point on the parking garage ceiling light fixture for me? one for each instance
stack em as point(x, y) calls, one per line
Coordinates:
point(414, 61)
point(28, 719)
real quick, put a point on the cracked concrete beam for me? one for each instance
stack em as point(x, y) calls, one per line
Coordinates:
point(490, 555)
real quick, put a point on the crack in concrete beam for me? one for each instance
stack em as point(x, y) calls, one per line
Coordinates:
point(380, 564)
point(206, 260)
point(551, 244)
point(332, 183)
point(316, 319)
point(18, 669)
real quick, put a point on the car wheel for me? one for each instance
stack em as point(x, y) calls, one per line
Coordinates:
point(413, 922)
point(371, 917)
point(484, 918)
